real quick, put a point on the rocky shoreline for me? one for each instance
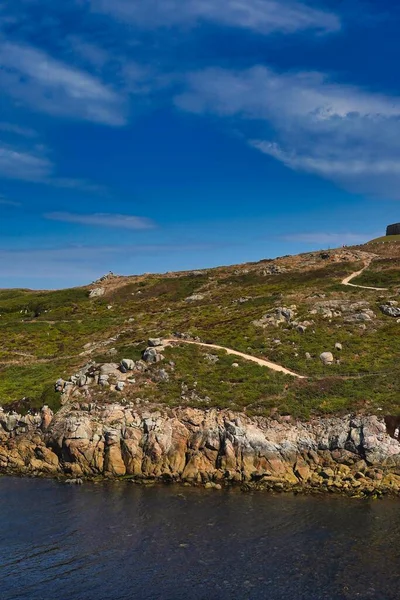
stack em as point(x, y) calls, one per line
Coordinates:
point(351, 455)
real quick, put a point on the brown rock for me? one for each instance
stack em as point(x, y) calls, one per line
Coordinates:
point(302, 470)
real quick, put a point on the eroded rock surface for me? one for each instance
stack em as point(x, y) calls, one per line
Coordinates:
point(349, 454)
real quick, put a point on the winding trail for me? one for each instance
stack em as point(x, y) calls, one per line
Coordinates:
point(259, 361)
point(347, 280)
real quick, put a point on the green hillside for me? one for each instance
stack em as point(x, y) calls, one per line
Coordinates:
point(47, 335)
point(386, 238)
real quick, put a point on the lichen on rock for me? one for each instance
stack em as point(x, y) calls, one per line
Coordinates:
point(349, 454)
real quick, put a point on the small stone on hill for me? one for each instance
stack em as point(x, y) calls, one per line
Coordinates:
point(361, 317)
point(82, 380)
point(103, 380)
point(195, 298)
point(390, 309)
point(327, 358)
point(108, 369)
point(97, 292)
point(151, 355)
point(160, 375)
point(281, 315)
point(212, 358)
point(127, 364)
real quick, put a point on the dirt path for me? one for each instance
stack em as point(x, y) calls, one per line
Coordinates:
point(347, 280)
point(259, 361)
point(266, 363)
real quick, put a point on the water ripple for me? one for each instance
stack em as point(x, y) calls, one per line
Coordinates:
point(125, 542)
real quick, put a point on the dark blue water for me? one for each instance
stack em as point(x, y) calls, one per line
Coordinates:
point(121, 541)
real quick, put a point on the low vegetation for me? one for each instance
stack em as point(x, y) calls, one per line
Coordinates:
point(383, 272)
point(47, 335)
point(260, 391)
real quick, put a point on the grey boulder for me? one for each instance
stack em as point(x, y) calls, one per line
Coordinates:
point(151, 355)
point(327, 358)
point(127, 364)
point(390, 310)
point(154, 342)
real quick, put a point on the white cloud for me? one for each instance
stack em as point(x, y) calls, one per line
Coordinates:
point(103, 220)
point(32, 165)
point(328, 239)
point(261, 16)
point(43, 83)
point(333, 166)
point(15, 164)
point(260, 93)
point(338, 131)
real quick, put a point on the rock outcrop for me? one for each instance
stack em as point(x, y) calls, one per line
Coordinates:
point(391, 309)
point(97, 293)
point(351, 455)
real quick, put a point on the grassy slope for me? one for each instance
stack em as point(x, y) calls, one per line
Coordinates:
point(44, 333)
point(386, 238)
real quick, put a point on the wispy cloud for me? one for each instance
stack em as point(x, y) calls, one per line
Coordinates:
point(82, 185)
point(5, 202)
point(343, 165)
point(261, 16)
point(262, 93)
point(17, 130)
point(103, 220)
point(340, 132)
point(328, 239)
point(34, 78)
point(90, 53)
point(26, 166)
point(79, 265)
point(51, 266)
point(34, 166)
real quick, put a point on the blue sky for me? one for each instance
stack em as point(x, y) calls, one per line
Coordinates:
point(149, 136)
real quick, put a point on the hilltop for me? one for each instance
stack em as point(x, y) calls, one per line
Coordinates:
point(289, 311)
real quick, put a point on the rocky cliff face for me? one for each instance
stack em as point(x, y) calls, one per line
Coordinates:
point(209, 447)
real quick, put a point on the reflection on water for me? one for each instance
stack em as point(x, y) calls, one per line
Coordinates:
point(121, 541)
